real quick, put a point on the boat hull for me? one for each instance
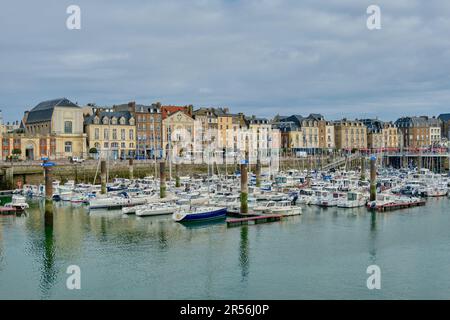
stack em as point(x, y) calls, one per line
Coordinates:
point(197, 217)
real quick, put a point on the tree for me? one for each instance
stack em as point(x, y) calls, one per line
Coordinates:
point(17, 151)
point(93, 150)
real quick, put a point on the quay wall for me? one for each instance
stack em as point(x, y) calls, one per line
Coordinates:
point(14, 174)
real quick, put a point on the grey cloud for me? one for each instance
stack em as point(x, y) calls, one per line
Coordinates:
point(256, 56)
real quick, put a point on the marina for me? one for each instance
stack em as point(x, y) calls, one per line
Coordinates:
point(162, 236)
point(321, 254)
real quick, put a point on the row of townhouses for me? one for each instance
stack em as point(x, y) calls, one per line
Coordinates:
point(60, 129)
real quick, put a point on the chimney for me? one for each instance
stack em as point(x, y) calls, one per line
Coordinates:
point(190, 109)
point(132, 106)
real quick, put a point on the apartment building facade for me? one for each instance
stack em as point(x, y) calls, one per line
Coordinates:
point(350, 135)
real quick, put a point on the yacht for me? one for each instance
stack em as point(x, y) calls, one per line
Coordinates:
point(156, 209)
point(353, 200)
point(18, 202)
point(200, 214)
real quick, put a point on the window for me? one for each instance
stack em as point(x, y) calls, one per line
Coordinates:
point(131, 145)
point(68, 147)
point(122, 134)
point(106, 145)
point(67, 126)
point(123, 145)
point(114, 134)
point(97, 133)
point(131, 134)
point(106, 134)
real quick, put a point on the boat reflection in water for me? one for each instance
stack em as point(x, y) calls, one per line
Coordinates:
point(130, 257)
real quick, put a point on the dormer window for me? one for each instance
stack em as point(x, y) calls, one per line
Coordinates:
point(105, 120)
point(114, 120)
point(96, 120)
point(122, 120)
point(131, 121)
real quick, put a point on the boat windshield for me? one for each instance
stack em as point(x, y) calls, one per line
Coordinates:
point(351, 196)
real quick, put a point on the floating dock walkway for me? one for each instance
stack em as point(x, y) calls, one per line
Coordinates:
point(235, 222)
point(397, 206)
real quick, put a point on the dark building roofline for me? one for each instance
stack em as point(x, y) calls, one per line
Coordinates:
point(44, 110)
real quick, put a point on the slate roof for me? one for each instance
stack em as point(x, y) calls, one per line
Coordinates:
point(444, 117)
point(44, 110)
point(373, 125)
point(297, 119)
point(118, 114)
point(422, 121)
point(286, 126)
point(315, 116)
point(211, 112)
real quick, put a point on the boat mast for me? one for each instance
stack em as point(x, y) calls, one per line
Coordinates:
point(170, 153)
point(154, 147)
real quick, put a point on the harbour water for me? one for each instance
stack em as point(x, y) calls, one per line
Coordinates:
point(322, 254)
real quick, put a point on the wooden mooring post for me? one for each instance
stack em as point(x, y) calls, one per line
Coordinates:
point(244, 189)
point(373, 178)
point(130, 168)
point(162, 179)
point(103, 176)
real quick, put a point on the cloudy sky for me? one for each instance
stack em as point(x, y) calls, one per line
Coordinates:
point(261, 57)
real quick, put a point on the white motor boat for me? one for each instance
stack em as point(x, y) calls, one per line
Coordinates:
point(19, 202)
point(434, 191)
point(353, 200)
point(281, 207)
point(157, 209)
point(115, 202)
point(286, 208)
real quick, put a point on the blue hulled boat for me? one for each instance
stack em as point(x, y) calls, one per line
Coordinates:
point(200, 214)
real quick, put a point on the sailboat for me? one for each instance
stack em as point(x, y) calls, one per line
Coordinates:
point(200, 214)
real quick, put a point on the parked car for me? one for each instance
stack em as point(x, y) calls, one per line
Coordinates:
point(77, 160)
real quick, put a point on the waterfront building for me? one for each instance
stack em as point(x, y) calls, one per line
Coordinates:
point(310, 129)
point(294, 140)
point(381, 135)
point(391, 136)
point(9, 127)
point(419, 132)
point(230, 129)
point(260, 130)
point(291, 137)
point(149, 128)
point(111, 133)
point(326, 134)
point(166, 111)
point(350, 134)
point(148, 120)
point(316, 132)
point(224, 125)
point(445, 125)
point(52, 129)
point(178, 134)
point(206, 128)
